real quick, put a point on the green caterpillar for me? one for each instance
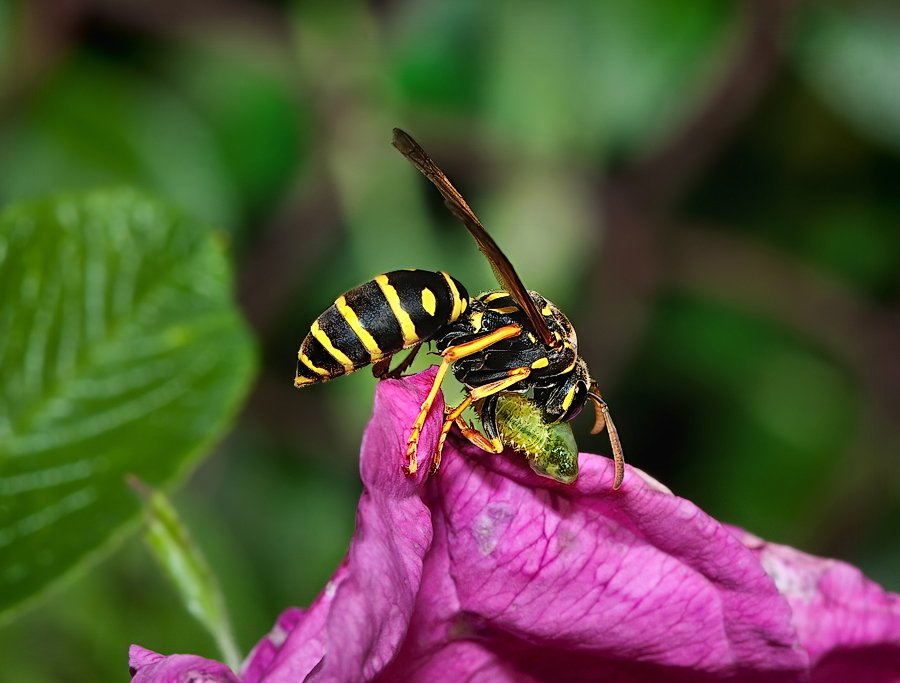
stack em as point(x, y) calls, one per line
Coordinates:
point(550, 449)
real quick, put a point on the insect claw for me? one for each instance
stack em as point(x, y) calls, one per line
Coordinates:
point(412, 447)
point(435, 464)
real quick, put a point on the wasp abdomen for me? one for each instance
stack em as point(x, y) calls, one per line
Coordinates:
point(391, 312)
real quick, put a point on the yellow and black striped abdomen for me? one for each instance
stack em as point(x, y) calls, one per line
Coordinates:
point(389, 313)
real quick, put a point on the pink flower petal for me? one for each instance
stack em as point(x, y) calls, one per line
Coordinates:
point(488, 572)
point(268, 649)
point(634, 583)
point(149, 667)
point(848, 624)
point(358, 623)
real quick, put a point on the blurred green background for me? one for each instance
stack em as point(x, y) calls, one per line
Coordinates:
point(710, 190)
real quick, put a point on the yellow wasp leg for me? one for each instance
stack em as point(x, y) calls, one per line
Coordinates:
point(450, 355)
point(476, 438)
point(513, 376)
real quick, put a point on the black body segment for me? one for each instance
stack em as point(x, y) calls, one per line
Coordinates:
point(315, 362)
point(375, 316)
point(375, 320)
point(421, 301)
point(346, 347)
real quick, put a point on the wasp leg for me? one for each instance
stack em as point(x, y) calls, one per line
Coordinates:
point(476, 438)
point(450, 355)
point(382, 370)
point(487, 413)
point(513, 376)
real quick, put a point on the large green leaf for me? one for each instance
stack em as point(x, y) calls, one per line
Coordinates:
point(120, 352)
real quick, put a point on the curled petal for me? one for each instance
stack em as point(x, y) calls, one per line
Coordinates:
point(147, 666)
point(358, 623)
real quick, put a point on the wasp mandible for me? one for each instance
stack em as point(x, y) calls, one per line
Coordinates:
point(509, 341)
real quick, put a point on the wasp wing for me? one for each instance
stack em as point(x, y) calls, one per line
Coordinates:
point(503, 269)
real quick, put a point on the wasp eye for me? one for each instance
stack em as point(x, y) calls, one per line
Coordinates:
point(579, 397)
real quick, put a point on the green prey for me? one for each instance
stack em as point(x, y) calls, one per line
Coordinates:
point(550, 448)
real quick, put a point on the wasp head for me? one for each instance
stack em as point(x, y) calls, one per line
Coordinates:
point(563, 399)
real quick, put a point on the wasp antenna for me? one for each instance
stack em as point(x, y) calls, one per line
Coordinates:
point(599, 417)
point(605, 419)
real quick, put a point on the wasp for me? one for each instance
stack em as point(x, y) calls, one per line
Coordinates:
point(508, 341)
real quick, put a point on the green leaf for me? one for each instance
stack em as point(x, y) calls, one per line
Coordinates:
point(849, 54)
point(121, 352)
point(187, 569)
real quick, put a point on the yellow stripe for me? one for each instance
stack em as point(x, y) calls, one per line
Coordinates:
point(308, 363)
point(407, 328)
point(494, 295)
point(571, 366)
point(429, 303)
point(476, 321)
point(300, 380)
point(367, 339)
point(458, 306)
point(337, 354)
point(540, 363)
point(567, 401)
point(505, 309)
point(546, 310)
